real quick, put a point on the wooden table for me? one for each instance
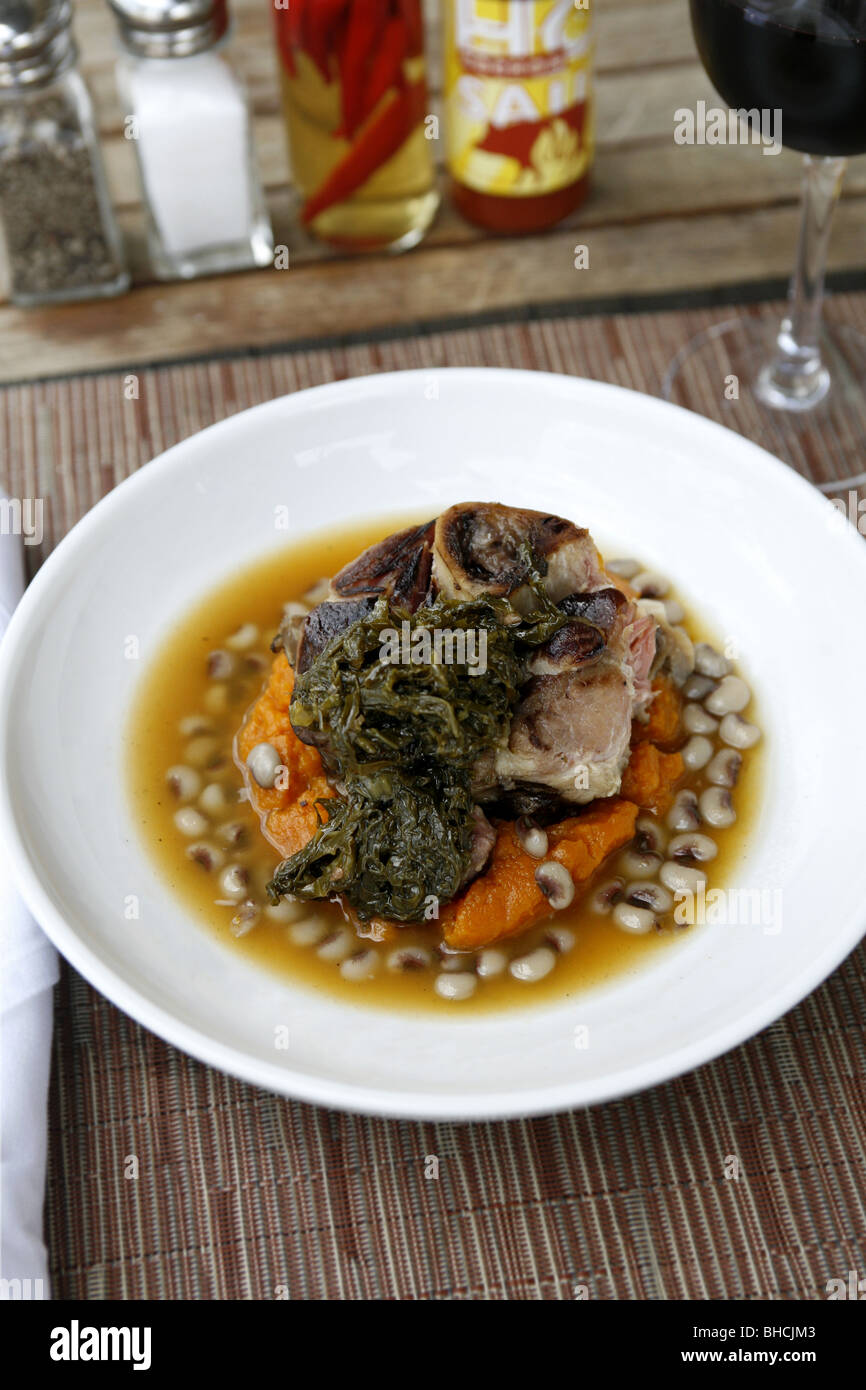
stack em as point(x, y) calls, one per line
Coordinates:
point(664, 221)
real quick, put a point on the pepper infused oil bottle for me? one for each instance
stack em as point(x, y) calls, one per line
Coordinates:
point(356, 106)
point(519, 112)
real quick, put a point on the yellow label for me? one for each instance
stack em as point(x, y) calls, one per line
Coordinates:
point(518, 98)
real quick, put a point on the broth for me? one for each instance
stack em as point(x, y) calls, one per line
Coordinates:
point(176, 687)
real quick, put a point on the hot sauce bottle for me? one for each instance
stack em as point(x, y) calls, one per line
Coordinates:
point(518, 105)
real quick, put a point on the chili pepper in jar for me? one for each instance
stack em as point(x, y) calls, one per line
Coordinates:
point(356, 106)
point(518, 108)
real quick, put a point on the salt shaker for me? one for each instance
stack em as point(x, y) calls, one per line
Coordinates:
point(60, 234)
point(187, 114)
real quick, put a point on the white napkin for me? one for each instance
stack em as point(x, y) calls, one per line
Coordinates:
point(28, 971)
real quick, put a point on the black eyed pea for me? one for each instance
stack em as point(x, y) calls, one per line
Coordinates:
point(709, 662)
point(246, 637)
point(184, 782)
point(729, 697)
point(635, 863)
point(717, 808)
point(650, 895)
point(606, 895)
point(454, 964)
point(203, 852)
point(631, 918)
point(491, 963)
point(692, 848)
point(455, 987)
point(725, 768)
point(684, 813)
point(194, 726)
point(220, 665)
point(556, 884)
point(697, 752)
point(191, 822)
point(307, 932)
point(263, 764)
point(697, 721)
point(698, 687)
point(407, 959)
point(650, 835)
point(531, 837)
point(233, 832)
point(287, 910)
point(337, 945)
point(560, 939)
point(234, 882)
point(682, 878)
point(534, 966)
point(245, 918)
point(738, 732)
point(216, 699)
point(649, 584)
point(213, 799)
point(674, 611)
point(202, 751)
point(626, 569)
point(362, 965)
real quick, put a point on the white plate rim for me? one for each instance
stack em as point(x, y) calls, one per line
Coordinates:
point(348, 1096)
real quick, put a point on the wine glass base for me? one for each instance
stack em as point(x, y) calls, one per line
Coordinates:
point(778, 395)
point(723, 373)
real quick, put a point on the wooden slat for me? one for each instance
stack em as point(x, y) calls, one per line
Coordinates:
point(630, 187)
point(332, 298)
point(660, 217)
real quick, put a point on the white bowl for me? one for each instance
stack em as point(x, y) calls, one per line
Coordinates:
point(764, 557)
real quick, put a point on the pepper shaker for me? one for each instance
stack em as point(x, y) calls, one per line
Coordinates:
point(189, 120)
point(61, 238)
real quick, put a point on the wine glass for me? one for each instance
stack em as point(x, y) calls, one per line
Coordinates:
point(801, 65)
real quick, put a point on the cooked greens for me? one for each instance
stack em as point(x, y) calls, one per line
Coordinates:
point(400, 737)
point(395, 846)
point(365, 713)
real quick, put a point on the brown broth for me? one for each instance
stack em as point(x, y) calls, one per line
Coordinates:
point(175, 687)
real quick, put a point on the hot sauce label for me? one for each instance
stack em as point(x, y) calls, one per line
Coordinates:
point(517, 94)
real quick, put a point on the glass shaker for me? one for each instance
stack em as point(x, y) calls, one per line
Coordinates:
point(61, 238)
point(187, 114)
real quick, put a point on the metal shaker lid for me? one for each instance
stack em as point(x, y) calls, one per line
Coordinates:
point(170, 28)
point(36, 42)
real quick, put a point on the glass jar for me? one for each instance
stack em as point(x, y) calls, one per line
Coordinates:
point(187, 115)
point(518, 109)
point(357, 119)
point(60, 235)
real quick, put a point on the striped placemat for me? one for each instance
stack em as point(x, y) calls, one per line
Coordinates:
point(745, 1179)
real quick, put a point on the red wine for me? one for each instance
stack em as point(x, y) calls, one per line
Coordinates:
point(804, 57)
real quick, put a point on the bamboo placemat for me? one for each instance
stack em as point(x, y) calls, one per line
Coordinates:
point(242, 1194)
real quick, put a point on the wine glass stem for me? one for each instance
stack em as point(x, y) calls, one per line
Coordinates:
point(796, 378)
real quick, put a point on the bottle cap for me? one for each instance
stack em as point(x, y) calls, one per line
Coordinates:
point(36, 42)
point(170, 28)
